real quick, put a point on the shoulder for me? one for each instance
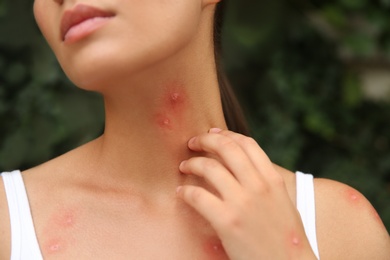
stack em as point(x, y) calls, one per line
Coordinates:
point(348, 226)
point(5, 232)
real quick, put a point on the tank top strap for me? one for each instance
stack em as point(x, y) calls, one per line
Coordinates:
point(306, 207)
point(24, 243)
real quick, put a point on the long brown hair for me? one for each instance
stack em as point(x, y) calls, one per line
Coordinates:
point(232, 110)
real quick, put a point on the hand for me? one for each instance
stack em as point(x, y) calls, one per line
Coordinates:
point(252, 213)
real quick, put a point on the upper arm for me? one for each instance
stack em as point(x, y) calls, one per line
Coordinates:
point(5, 233)
point(348, 227)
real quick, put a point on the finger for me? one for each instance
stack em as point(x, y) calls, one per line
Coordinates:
point(204, 202)
point(256, 155)
point(230, 153)
point(214, 173)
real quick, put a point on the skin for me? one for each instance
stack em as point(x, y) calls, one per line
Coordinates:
point(173, 108)
point(251, 186)
point(159, 184)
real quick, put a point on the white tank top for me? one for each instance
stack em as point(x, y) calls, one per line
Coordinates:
point(24, 243)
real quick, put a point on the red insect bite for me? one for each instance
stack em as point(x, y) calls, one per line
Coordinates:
point(171, 113)
point(353, 196)
point(356, 199)
point(64, 219)
point(57, 231)
point(174, 101)
point(163, 121)
point(54, 246)
point(214, 249)
point(294, 241)
point(175, 98)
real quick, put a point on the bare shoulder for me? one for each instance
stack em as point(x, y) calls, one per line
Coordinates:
point(5, 233)
point(348, 227)
point(38, 181)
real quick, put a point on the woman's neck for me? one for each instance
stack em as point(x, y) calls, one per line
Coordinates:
point(151, 115)
point(148, 126)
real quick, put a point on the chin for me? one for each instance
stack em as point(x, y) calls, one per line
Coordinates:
point(99, 66)
point(100, 76)
point(96, 66)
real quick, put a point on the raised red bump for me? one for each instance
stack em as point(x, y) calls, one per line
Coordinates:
point(54, 246)
point(172, 107)
point(214, 249)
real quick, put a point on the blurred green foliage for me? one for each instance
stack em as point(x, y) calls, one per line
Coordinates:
point(292, 62)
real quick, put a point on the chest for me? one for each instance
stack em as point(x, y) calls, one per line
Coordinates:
point(114, 232)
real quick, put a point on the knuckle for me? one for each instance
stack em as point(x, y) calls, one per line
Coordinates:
point(249, 141)
point(195, 195)
point(246, 201)
point(232, 221)
point(209, 164)
point(260, 188)
point(193, 162)
point(226, 143)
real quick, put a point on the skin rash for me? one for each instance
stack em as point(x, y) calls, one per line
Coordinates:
point(294, 243)
point(214, 249)
point(357, 200)
point(171, 108)
point(57, 231)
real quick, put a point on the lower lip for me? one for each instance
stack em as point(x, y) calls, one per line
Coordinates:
point(84, 29)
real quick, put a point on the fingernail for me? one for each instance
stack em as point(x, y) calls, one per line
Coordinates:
point(178, 189)
point(182, 164)
point(192, 140)
point(215, 130)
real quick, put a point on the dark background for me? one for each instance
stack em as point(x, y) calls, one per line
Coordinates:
point(313, 77)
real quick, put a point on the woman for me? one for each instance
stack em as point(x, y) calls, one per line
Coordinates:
point(165, 181)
